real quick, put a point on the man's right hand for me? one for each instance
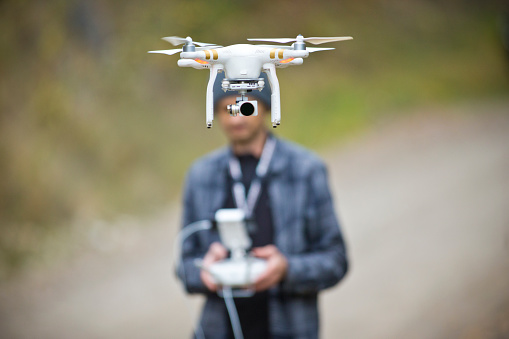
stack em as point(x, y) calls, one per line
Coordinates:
point(216, 252)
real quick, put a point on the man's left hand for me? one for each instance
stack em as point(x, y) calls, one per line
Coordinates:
point(276, 267)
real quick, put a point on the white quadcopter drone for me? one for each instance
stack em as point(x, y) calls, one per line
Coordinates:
point(242, 65)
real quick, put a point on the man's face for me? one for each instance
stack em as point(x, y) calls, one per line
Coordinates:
point(240, 129)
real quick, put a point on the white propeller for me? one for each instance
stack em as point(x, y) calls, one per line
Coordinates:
point(309, 49)
point(300, 38)
point(276, 46)
point(175, 40)
point(179, 50)
point(167, 51)
point(316, 49)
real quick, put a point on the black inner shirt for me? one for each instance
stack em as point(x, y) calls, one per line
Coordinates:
point(254, 311)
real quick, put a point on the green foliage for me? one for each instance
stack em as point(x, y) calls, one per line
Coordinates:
point(92, 126)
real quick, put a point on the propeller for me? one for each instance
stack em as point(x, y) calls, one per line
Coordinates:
point(309, 49)
point(167, 51)
point(179, 50)
point(300, 38)
point(316, 49)
point(276, 46)
point(176, 40)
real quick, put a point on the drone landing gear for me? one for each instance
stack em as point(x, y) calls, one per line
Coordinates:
point(275, 110)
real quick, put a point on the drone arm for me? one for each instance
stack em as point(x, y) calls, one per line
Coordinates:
point(210, 94)
point(275, 117)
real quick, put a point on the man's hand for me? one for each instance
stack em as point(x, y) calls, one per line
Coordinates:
point(216, 252)
point(276, 267)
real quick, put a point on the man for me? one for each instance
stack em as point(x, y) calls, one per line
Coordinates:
point(297, 230)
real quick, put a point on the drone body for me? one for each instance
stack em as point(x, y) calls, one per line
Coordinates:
point(243, 64)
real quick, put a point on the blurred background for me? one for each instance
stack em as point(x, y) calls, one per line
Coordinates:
point(96, 134)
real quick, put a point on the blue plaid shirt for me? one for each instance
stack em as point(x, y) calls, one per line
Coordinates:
point(306, 232)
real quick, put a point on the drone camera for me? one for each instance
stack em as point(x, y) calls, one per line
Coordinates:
point(245, 108)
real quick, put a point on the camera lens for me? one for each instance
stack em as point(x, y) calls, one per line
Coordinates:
point(247, 109)
point(233, 110)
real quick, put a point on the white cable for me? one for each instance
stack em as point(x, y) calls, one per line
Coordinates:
point(184, 233)
point(187, 231)
point(232, 312)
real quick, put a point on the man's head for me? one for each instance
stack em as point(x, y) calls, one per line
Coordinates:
point(241, 129)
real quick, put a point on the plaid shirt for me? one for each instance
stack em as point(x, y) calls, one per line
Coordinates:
point(306, 231)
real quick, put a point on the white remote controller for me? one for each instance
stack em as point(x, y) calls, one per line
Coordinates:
point(237, 273)
point(241, 270)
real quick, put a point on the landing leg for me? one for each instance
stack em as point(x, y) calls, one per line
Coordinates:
point(275, 115)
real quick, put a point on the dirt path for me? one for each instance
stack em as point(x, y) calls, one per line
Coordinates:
point(425, 206)
point(424, 203)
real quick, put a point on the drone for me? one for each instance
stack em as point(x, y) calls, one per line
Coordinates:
point(243, 64)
